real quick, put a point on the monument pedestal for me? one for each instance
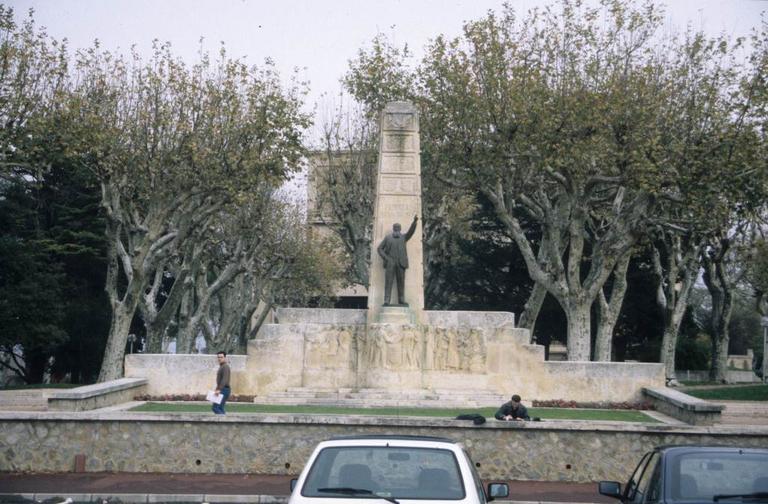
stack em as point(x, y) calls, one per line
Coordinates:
point(397, 315)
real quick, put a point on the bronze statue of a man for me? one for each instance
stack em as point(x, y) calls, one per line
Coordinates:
point(395, 255)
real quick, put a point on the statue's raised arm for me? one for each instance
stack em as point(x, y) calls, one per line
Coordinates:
point(411, 229)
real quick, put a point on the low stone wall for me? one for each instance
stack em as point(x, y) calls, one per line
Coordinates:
point(598, 381)
point(182, 373)
point(731, 376)
point(98, 395)
point(281, 444)
point(679, 405)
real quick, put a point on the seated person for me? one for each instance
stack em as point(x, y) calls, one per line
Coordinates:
point(512, 410)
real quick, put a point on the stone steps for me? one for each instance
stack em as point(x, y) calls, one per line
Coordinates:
point(368, 397)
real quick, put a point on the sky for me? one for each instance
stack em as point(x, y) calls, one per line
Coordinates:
point(317, 37)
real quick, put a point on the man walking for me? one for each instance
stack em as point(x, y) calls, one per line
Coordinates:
point(222, 383)
point(392, 250)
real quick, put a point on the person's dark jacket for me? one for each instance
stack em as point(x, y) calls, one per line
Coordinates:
point(509, 408)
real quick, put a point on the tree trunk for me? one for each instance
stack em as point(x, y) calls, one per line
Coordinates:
point(154, 339)
point(674, 283)
point(261, 315)
point(717, 372)
point(123, 309)
point(668, 348)
point(112, 364)
point(609, 310)
point(673, 317)
point(721, 317)
point(719, 284)
point(184, 336)
point(532, 307)
point(579, 331)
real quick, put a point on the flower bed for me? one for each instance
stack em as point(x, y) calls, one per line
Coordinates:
point(243, 398)
point(563, 403)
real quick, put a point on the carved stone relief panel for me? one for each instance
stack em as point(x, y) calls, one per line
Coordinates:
point(328, 348)
point(396, 348)
point(393, 349)
point(398, 121)
point(455, 349)
point(412, 348)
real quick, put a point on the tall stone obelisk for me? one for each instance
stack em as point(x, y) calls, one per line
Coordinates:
point(398, 199)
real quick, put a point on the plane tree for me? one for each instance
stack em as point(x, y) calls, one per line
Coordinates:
point(172, 146)
point(554, 119)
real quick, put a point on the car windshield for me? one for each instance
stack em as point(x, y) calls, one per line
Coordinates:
point(384, 471)
point(700, 476)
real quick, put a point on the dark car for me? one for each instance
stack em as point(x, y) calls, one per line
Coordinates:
point(695, 474)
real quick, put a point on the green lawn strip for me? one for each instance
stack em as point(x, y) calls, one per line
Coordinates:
point(544, 413)
point(746, 393)
point(41, 386)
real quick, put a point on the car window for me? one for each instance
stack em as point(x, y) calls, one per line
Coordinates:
point(631, 487)
point(700, 475)
point(476, 479)
point(383, 471)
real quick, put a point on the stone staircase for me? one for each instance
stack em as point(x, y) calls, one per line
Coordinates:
point(372, 397)
point(25, 399)
point(744, 412)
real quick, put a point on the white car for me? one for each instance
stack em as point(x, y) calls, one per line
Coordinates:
point(398, 469)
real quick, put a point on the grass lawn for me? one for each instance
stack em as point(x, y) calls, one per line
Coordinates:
point(745, 393)
point(544, 413)
point(42, 386)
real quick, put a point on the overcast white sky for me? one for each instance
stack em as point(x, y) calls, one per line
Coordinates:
point(316, 36)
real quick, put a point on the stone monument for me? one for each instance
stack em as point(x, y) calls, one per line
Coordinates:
point(398, 199)
point(389, 355)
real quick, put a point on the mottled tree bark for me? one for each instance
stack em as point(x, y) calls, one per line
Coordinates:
point(720, 287)
point(609, 309)
point(675, 278)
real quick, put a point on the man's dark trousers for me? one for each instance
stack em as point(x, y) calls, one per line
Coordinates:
point(394, 271)
point(219, 408)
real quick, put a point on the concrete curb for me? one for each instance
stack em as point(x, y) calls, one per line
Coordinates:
point(175, 498)
point(107, 497)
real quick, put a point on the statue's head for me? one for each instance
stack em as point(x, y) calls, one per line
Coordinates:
point(396, 229)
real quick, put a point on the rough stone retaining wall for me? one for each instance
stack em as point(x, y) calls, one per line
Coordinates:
point(281, 444)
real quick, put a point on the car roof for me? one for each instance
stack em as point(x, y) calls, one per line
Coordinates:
point(392, 437)
point(709, 448)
